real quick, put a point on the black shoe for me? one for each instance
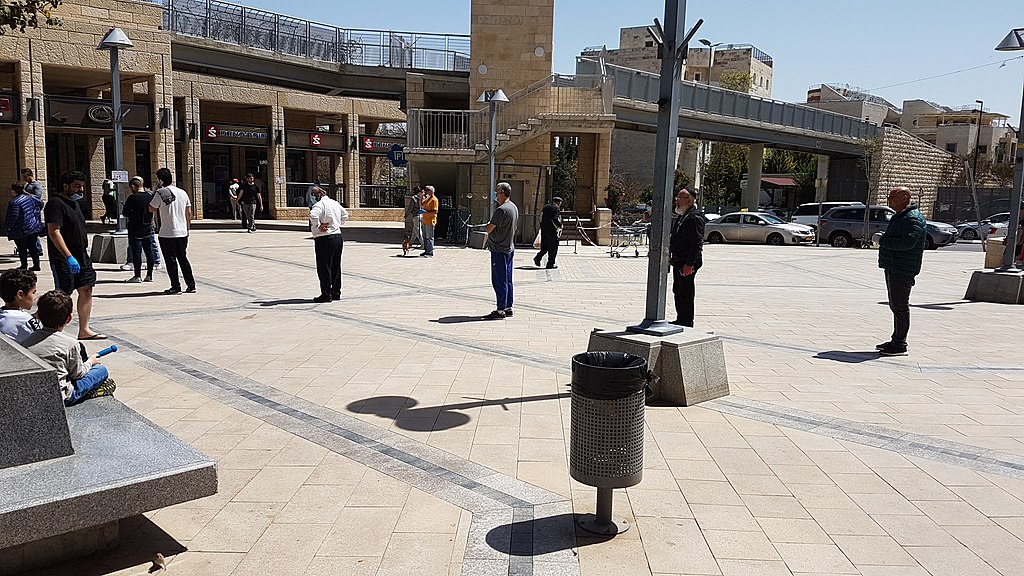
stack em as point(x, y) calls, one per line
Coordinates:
point(133, 280)
point(172, 291)
point(893, 350)
point(148, 278)
point(190, 290)
point(508, 312)
point(496, 315)
point(551, 266)
point(322, 298)
point(34, 268)
point(883, 345)
point(335, 296)
point(536, 261)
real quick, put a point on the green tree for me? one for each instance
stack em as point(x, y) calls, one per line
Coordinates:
point(724, 172)
point(736, 81)
point(19, 15)
point(565, 154)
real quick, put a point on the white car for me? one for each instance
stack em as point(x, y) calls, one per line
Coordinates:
point(997, 229)
point(973, 230)
point(760, 227)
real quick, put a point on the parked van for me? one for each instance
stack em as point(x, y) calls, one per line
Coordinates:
point(807, 214)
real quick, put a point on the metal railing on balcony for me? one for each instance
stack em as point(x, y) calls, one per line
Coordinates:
point(251, 27)
point(377, 196)
point(643, 86)
point(557, 96)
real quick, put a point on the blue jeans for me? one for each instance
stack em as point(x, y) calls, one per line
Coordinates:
point(501, 278)
point(96, 376)
point(151, 238)
point(428, 238)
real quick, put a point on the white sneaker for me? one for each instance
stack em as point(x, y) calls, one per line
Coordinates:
point(127, 266)
point(156, 266)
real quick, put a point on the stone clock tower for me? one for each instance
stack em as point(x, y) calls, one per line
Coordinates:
point(511, 44)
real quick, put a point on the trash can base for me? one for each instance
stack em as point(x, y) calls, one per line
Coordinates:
point(591, 523)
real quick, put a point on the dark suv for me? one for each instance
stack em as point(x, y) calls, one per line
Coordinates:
point(844, 226)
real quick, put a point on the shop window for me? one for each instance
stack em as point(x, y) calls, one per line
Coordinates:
point(951, 147)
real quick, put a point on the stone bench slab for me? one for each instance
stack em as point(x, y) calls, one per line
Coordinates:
point(123, 465)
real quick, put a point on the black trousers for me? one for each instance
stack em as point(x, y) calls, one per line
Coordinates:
point(898, 286)
point(174, 250)
point(138, 247)
point(328, 263)
point(549, 246)
point(684, 290)
point(27, 247)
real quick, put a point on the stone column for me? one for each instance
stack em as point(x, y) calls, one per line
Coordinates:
point(277, 190)
point(821, 181)
point(161, 141)
point(192, 167)
point(350, 162)
point(751, 196)
point(97, 174)
point(33, 133)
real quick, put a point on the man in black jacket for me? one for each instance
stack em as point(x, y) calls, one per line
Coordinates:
point(685, 247)
point(550, 230)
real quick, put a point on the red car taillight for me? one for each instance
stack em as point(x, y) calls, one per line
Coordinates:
point(992, 230)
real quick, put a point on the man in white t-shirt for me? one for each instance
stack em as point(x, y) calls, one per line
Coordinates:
point(175, 220)
point(325, 220)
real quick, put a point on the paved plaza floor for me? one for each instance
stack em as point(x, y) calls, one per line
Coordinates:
point(392, 432)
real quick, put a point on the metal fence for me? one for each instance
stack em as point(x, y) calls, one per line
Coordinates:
point(956, 205)
point(296, 193)
point(643, 86)
point(255, 28)
point(558, 95)
point(376, 196)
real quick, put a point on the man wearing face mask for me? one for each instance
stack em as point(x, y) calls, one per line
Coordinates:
point(685, 247)
point(68, 247)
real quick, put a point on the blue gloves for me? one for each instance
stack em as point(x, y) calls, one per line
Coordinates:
point(73, 265)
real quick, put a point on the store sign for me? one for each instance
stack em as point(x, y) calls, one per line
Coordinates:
point(9, 110)
point(378, 144)
point(327, 141)
point(91, 113)
point(237, 135)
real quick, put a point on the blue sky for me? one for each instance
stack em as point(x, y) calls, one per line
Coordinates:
point(867, 43)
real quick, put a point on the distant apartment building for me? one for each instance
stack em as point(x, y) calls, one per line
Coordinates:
point(953, 129)
point(637, 50)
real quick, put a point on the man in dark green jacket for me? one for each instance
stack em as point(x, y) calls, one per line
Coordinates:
point(900, 251)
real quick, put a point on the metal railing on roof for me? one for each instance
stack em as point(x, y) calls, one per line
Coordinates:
point(643, 86)
point(254, 28)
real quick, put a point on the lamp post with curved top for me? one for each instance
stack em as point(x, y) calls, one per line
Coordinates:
point(114, 41)
point(492, 97)
point(1014, 41)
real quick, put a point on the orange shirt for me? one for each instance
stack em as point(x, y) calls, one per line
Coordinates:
point(430, 205)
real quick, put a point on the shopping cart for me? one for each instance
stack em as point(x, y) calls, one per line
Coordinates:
point(626, 236)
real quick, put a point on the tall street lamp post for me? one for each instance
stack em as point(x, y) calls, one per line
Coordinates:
point(974, 171)
point(1014, 41)
point(706, 144)
point(114, 41)
point(492, 97)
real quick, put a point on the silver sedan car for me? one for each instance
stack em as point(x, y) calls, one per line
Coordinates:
point(759, 227)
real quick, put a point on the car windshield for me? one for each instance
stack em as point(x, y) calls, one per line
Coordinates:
point(772, 219)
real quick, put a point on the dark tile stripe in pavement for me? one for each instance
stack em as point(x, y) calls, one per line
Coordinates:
point(457, 480)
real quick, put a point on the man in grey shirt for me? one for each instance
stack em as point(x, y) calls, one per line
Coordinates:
point(500, 241)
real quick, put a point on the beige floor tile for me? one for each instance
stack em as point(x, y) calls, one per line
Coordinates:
point(753, 568)
point(315, 504)
point(274, 484)
point(822, 558)
point(182, 523)
point(775, 507)
point(236, 527)
point(720, 517)
point(999, 548)
point(950, 561)
point(801, 474)
point(426, 514)
point(283, 549)
point(873, 550)
point(914, 530)
point(695, 469)
point(953, 513)
point(892, 571)
point(299, 452)
point(821, 496)
point(675, 546)
point(412, 553)
point(707, 492)
point(758, 484)
point(840, 521)
point(361, 532)
point(740, 545)
point(377, 489)
point(885, 504)
point(204, 563)
point(620, 557)
point(793, 530)
point(991, 501)
point(658, 503)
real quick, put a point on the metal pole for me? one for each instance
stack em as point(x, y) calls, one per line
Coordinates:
point(664, 172)
point(115, 89)
point(974, 177)
point(490, 158)
point(1015, 198)
point(977, 136)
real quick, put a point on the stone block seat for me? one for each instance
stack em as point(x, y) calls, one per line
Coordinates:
point(59, 504)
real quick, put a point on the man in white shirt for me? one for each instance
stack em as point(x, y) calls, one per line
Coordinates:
point(175, 220)
point(325, 220)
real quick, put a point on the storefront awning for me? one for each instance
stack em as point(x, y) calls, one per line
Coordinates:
point(781, 182)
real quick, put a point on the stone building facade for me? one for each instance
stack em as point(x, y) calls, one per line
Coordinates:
point(207, 129)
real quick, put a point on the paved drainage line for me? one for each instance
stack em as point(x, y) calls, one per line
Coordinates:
point(904, 443)
point(484, 500)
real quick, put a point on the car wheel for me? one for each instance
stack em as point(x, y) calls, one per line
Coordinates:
point(970, 234)
point(776, 239)
point(715, 238)
point(841, 240)
point(929, 243)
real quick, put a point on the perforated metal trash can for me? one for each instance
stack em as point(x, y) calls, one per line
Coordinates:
point(606, 441)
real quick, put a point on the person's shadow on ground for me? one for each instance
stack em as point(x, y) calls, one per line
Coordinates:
point(459, 319)
point(285, 301)
point(848, 357)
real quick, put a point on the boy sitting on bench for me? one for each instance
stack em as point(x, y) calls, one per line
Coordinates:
point(80, 377)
